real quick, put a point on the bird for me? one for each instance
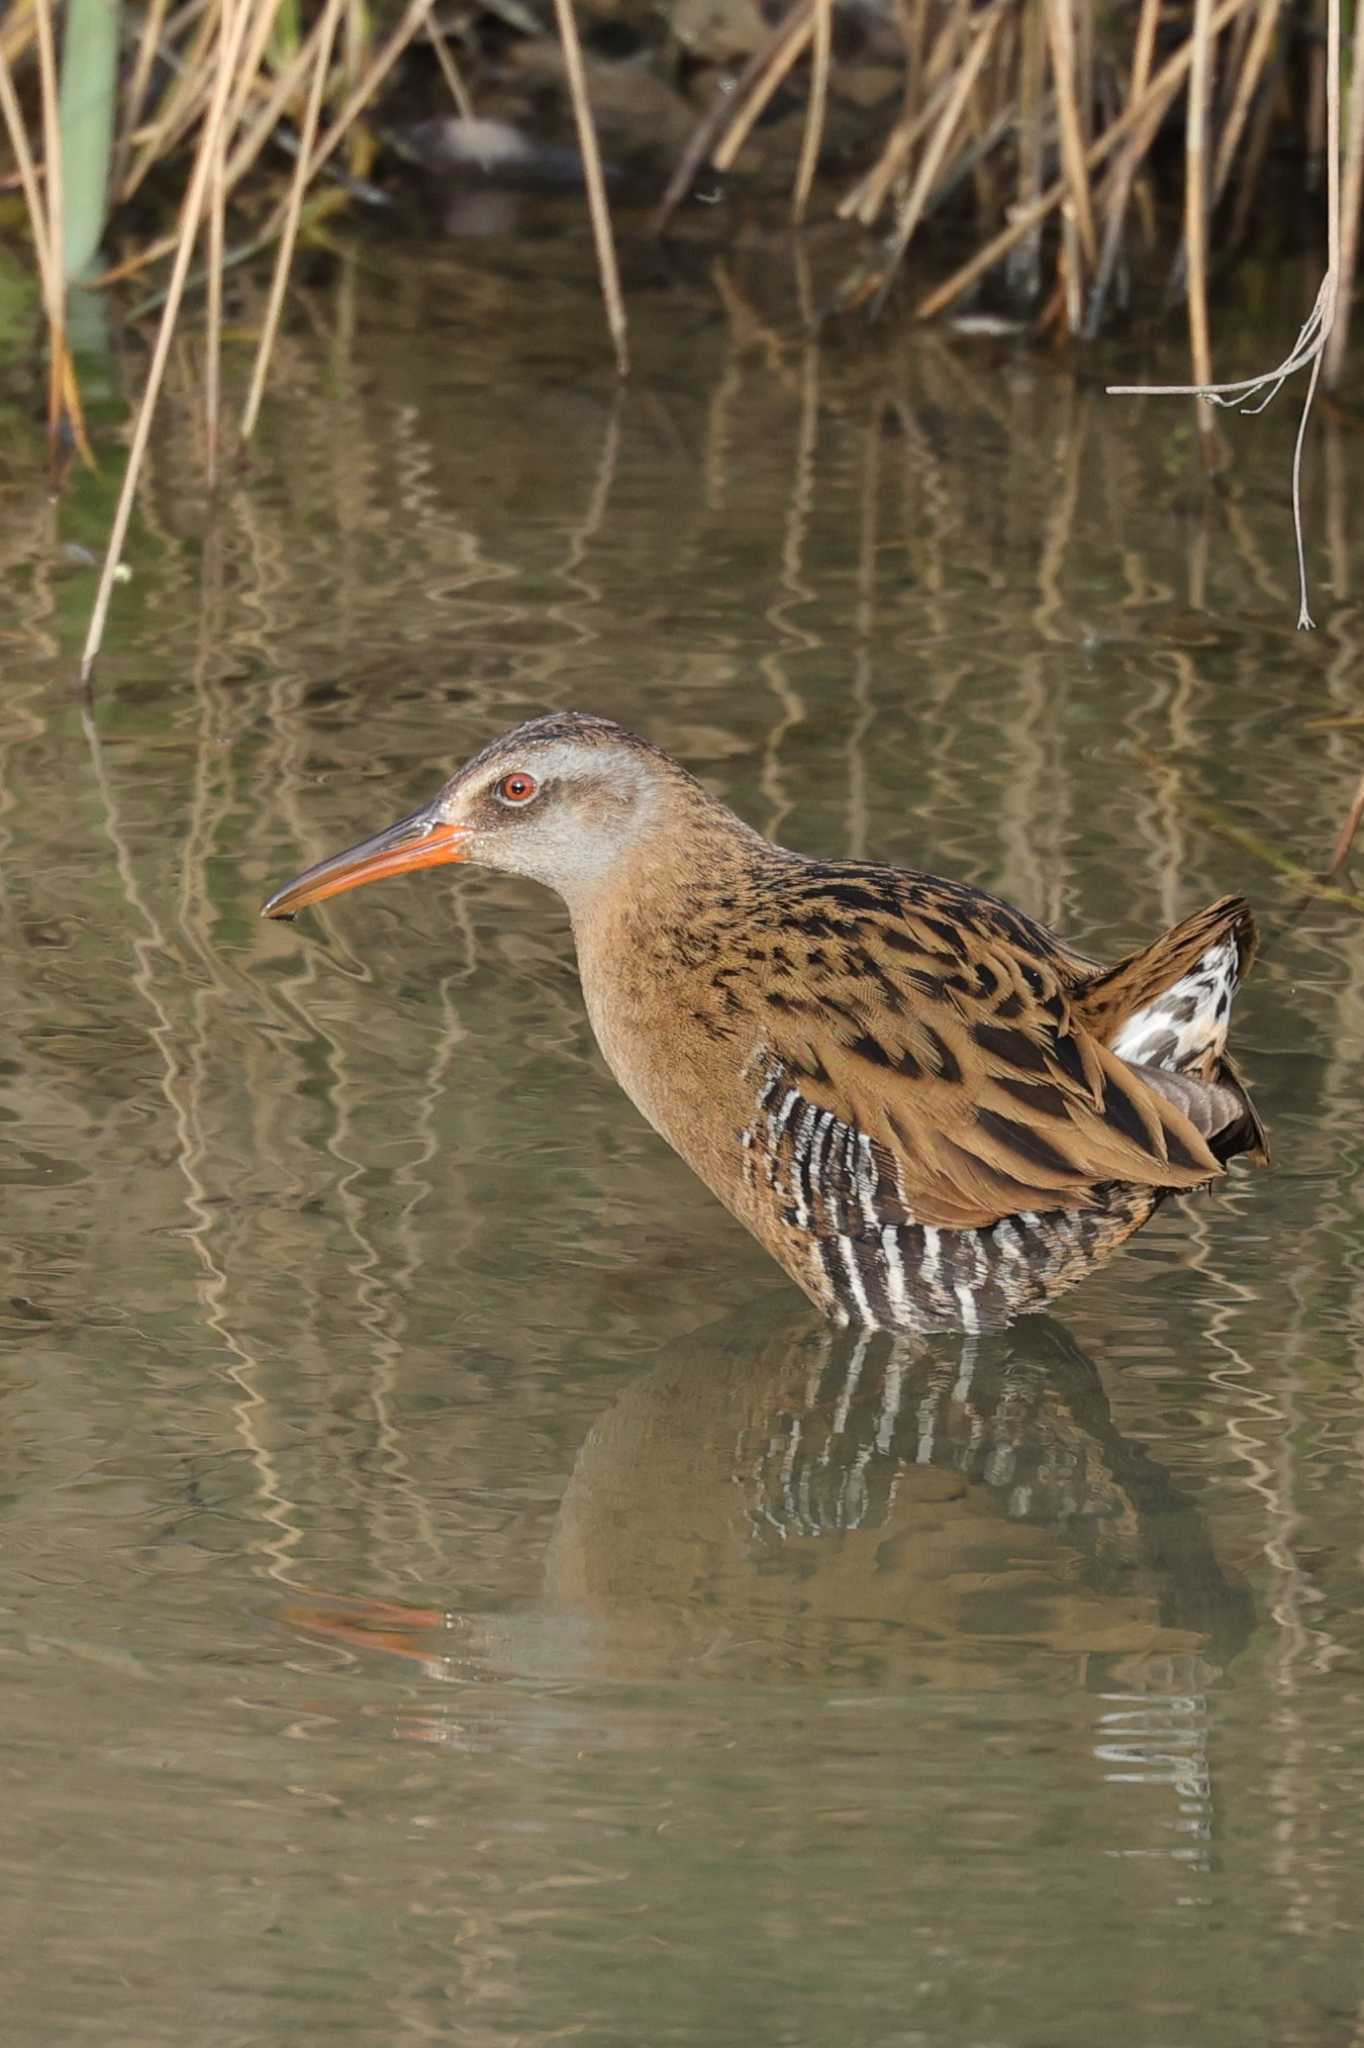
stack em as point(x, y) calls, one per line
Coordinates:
point(932, 1111)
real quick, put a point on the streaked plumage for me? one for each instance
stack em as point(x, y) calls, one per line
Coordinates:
point(928, 1108)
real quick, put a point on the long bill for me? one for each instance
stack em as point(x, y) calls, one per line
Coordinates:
point(422, 841)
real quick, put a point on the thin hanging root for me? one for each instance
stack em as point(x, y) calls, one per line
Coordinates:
point(1253, 394)
point(596, 184)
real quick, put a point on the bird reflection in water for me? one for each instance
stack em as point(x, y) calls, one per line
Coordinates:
point(805, 1504)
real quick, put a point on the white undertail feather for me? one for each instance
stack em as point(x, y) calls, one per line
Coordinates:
point(1187, 1022)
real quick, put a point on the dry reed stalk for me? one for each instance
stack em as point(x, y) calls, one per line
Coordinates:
point(913, 24)
point(722, 110)
point(1248, 176)
point(1196, 211)
point(213, 338)
point(1119, 187)
point(1156, 98)
point(597, 207)
point(190, 216)
point(971, 161)
point(1061, 36)
point(459, 91)
point(868, 196)
point(933, 155)
point(252, 59)
point(55, 292)
point(1317, 87)
point(363, 91)
point(1025, 264)
point(185, 17)
point(64, 401)
point(994, 116)
point(971, 157)
point(1256, 56)
point(1115, 199)
point(257, 131)
point(180, 109)
point(298, 186)
point(1352, 191)
point(816, 110)
point(135, 93)
point(747, 116)
point(1253, 394)
point(28, 175)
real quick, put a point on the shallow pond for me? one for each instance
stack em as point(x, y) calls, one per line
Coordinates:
point(452, 1587)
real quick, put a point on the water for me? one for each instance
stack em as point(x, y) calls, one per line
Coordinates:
point(452, 1588)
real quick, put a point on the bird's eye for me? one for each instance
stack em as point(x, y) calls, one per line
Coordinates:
point(517, 789)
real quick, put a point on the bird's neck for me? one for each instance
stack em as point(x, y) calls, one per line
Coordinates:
point(653, 940)
point(692, 854)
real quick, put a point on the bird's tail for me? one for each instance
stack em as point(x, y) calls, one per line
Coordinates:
point(1165, 1010)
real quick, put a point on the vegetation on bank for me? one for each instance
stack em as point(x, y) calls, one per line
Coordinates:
point(1083, 153)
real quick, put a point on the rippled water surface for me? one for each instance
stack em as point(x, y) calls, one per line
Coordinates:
point(452, 1588)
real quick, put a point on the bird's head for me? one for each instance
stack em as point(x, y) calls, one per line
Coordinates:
point(562, 799)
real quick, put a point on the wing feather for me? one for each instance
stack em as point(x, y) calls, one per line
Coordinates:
point(973, 1080)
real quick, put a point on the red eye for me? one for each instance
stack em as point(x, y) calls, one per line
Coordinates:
point(517, 789)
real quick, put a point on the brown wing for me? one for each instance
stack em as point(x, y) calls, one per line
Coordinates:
point(950, 1080)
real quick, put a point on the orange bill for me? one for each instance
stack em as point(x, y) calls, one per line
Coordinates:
point(421, 841)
